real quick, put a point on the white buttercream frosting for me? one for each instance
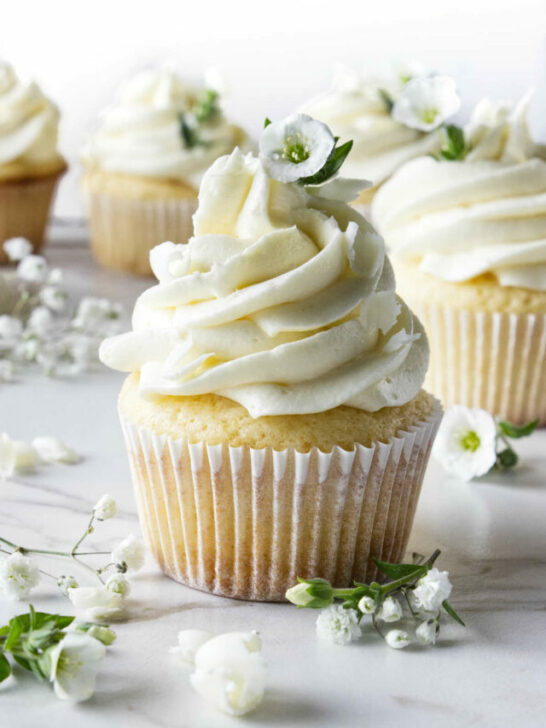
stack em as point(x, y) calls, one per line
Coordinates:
point(28, 121)
point(354, 109)
point(141, 134)
point(282, 301)
point(485, 214)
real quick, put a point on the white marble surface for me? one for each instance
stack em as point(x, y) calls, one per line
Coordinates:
point(493, 537)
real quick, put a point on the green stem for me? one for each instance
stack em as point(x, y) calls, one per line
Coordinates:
point(86, 533)
point(344, 593)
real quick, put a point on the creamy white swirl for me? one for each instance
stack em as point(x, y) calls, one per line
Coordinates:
point(282, 301)
point(28, 122)
point(354, 109)
point(141, 134)
point(486, 214)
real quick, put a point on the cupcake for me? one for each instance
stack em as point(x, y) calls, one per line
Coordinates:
point(30, 164)
point(273, 415)
point(468, 239)
point(144, 164)
point(370, 111)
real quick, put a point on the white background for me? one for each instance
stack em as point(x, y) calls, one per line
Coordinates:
point(274, 53)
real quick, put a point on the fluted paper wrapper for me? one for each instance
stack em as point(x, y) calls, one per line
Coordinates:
point(496, 361)
point(245, 523)
point(24, 209)
point(123, 231)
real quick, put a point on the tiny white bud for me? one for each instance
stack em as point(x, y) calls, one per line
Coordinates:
point(427, 632)
point(119, 585)
point(66, 582)
point(367, 605)
point(397, 639)
point(130, 552)
point(106, 507)
point(17, 248)
point(390, 611)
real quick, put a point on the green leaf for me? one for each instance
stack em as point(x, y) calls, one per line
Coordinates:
point(207, 107)
point(517, 431)
point(398, 571)
point(267, 122)
point(331, 166)
point(188, 134)
point(17, 627)
point(452, 613)
point(506, 458)
point(5, 667)
point(454, 146)
point(387, 99)
point(23, 662)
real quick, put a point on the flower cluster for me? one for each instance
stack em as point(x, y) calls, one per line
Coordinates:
point(470, 442)
point(413, 599)
point(18, 455)
point(70, 659)
point(39, 326)
point(229, 669)
point(205, 110)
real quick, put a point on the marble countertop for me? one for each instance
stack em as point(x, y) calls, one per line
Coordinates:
point(492, 534)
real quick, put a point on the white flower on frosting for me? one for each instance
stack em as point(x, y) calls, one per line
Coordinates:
point(432, 589)
point(295, 147)
point(230, 672)
point(106, 507)
point(32, 268)
point(53, 450)
point(338, 625)
point(18, 575)
point(11, 329)
point(17, 248)
point(466, 442)
point(129, 552)
point(7, 370)
point(53, 297)
point(390, 611)
point(96, 602)
point(119, 585)
point(397, 639)
point(189, 642)
point(75, 661)
point(427, 632)
point(367, 605)
point(425, 103)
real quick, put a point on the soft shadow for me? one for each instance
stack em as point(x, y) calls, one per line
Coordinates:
point(283, 708)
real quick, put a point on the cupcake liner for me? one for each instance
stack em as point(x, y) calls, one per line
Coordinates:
point(24, 209)
point(496, 361)
point(123, 231)
point(245, 523)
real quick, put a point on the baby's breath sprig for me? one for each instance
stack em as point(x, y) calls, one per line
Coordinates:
point(205, 110)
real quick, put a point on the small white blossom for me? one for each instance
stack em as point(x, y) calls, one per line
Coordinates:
point(427, 632)
point(367, 605)
point(26, 456)
point(55, 277)
point(96, 602)
point(54, 298)
point(75, 661)
point(295, 147)
point(410, 68)
point(230, 672)
point(53, 450)
point(466, 442)
point(397, 639)
point(432, 589)
point(26, 351)
point(130, 552)
point(189, 641)
point(17, 248)
point(391, 610)
point(18, 575)
point(338, 625)
point(119, 585)
point(8, 456)
point(32, 268)
point(67, 582)
point(105, 508)
point(41, 322)
point(96, 315)
point(11, 330)
point(416, 607)
point(425, 103)
point(7, 370)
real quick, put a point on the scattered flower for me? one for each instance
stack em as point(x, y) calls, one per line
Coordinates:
point(338, 625)
point(432, 590)
point(96, 602)
point(189, 641)
point(397, 639)
point(97, 314)
point(367, 605)
point(41, 322)
point(67, 582)
point(425, 103)
point(466, 442)
point(17, 248)
point(129, 552)
point(105, 508)
point(314, 593)
point(11, 330)
point(53, 450)
point(390, 610)
point(119, 585)
point(18, 575)
point(75, 661)
point(32, 268)
point(427, 632)
point(54, 298)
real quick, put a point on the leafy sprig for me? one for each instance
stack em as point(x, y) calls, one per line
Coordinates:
point(331, 167)
point(506, 455)
point(454, 147)
point(205, 110)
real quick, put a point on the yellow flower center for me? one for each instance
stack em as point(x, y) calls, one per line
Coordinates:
point(470, 441)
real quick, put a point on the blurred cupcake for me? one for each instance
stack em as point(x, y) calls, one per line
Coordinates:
point(30, 164)
point(468, 238)
point(144, 165)
point(373, 112)
point(274, 417)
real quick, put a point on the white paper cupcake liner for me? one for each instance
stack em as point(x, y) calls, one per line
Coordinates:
point(123, 231)
point(496, 361)
point(245, 523)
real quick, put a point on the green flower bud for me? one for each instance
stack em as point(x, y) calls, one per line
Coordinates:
point(313, 593)
point(100, 632)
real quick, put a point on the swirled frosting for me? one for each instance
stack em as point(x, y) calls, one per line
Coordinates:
point(141, 134)
point(354, 109)
point(282, 301)
point(28, 123)
point(485, 214)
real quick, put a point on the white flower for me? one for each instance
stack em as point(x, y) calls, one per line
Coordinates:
point(105, 508)
point(8, 456)
point(32, 268)
point(65, 583)
point(53, 297)
point(53, 450)
point(17, 248)
point(41, 321)
point(230, 672)
point(432, 589)
point(75, 662)
point(338, 625)
point(26, 456)
point(425, 103)
point(466, 442)
point(397, 639)
point(418, 609)
point(97, 315)
point(189, 641)
point(130, 552)
point(427, 632)
point(55, 277)
point(7, 370)
point(27, 350)
point(119, 585)
point(18, 575)
point(295, 147)
point(390, 611)
point(367, 605)
point(11, 330)
point(96, 602)
point(410, 68)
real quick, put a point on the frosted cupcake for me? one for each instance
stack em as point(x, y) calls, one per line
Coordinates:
point(30, 163)
point(468, 239)
point(273, 416)
point(374, 113)
point(144, 165)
